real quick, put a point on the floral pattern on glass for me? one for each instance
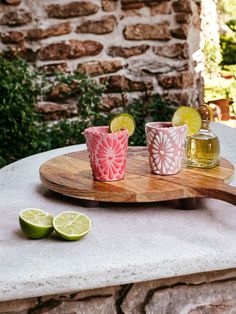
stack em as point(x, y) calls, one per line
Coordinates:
point(107, 153)
point(165, 145)
point(109, 156)
point(150, 136)
point(162, 152)
point(178, 136)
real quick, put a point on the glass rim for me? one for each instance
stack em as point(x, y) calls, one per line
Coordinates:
point(165, 125)
point(95, 130)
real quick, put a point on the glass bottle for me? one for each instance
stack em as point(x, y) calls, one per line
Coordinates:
point(203, 148)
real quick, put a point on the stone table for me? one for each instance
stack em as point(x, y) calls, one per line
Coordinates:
point(138, 258)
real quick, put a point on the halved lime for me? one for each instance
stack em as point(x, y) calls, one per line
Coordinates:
point(35, 223)
point(71, 225)
point(187, 115)
point(123, 121)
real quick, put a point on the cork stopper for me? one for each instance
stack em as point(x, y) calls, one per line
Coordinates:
point(204, 112)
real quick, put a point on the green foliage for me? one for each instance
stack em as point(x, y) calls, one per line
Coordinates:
point(22, 129)
point(228, 49)
point(232, 24)
point(81, 88)
point(18, 119)
point(60, 134)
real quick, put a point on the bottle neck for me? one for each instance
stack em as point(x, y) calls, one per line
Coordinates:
point(205, 125)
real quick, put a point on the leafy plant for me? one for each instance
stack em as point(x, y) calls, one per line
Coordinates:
point(228, 49)
point(86, 92)
point(232, 24)
point(19, 121)
point(60, 134)
point(22, 129)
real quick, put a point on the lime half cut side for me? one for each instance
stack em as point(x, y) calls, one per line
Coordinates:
point(35, 223)
point(123, 121)
point(71, 225)
point(190, 116)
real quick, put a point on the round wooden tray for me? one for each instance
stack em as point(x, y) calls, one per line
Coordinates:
point(71, 175)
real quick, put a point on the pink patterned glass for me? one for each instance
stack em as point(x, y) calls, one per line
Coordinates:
point(165, 146)
point(107, 152)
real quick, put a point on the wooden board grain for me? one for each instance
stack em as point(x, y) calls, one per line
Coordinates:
point(71, 175)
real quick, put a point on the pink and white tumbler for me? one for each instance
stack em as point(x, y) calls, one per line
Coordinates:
point(165, 146)
point(107, 152)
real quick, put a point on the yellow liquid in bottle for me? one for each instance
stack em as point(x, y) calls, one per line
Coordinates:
point(203, 150)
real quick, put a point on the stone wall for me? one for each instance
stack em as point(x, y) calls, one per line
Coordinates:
point(208, 293)
point(137, 46)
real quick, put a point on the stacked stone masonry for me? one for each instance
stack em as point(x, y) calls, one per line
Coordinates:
point(206, 293)
point(146, 46)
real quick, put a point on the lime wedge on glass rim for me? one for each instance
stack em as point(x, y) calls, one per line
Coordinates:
point(123, 121)
point(190, 116)
point(35, 223)
point(71, 225)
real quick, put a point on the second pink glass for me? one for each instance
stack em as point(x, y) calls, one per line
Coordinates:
point(165, 146)
point(107, 152)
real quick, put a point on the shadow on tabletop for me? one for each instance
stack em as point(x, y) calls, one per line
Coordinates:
point(19, 234)
point(190, 204)
point(53, 236)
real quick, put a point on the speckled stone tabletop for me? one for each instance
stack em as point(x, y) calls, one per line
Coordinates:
point(128, 242)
